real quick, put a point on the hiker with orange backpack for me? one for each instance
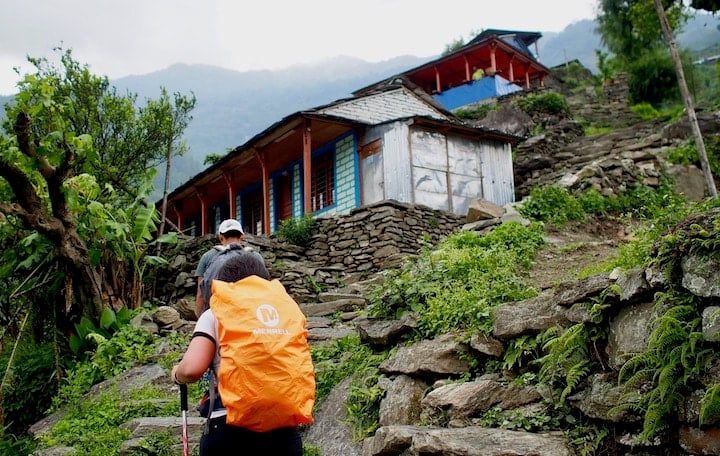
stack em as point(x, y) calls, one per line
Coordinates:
point(254, 341)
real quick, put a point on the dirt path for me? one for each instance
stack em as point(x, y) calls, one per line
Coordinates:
point(569, 251)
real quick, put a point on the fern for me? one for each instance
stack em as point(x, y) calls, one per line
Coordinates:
point(519, 349)
point(710, 406)
point(674, 356)
point(569, 359)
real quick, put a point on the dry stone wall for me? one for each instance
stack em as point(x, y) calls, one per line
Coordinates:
point(378, 236)
point(344, 249)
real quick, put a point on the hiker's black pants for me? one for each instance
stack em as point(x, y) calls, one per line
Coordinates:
point(223, 440)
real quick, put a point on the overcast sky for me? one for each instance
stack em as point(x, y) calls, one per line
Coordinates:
point(117, 38)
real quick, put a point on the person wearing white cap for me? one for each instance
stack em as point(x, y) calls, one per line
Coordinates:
point(229, 232)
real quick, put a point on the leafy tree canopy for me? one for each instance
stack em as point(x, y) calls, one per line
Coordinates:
point(128, 140)
point(630, 27)
point(76, 165)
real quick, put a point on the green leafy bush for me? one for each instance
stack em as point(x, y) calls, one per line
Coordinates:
point(81, 342)
point(11, 445)
point(297, 231)
point(575, 75)
point(93, 426)
point(477, 112)
point(348, 357)
point(647, 111)
point(653, 78)
point(129, 346)
point(29, 385)
point(607, 65)
point(339, 359)
point(710, 409)
point(687, 154)
point(310, 450)
point(676, 352)
point(549, 102)
point(522, 350)
point(528, 421)
point(456, 285)
point(594, 202)
point(363, 403)
point(569, 356)
point(552, 203)
point(661, 206)
point(594, 130)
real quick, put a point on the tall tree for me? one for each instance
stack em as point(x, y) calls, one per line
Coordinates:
point(75, 152)
point(629, 27)
point(128, 138)
point(178, 116)
point(51, 157)
point(687, 100)
point(632, 27)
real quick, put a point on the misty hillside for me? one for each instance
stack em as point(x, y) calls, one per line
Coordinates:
point(234, 106)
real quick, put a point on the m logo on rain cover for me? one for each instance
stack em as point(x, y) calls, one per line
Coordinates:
point(268, 315)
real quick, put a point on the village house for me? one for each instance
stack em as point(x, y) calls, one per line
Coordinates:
point(503, 57)
point(397, 139)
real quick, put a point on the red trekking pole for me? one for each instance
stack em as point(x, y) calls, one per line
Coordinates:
point(183, 409)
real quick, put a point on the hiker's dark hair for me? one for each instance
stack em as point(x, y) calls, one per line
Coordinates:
point(244, 264)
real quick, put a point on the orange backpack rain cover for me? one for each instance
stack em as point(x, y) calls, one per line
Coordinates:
point(266, 377)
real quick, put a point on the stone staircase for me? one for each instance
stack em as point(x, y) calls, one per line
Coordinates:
point(333, 313)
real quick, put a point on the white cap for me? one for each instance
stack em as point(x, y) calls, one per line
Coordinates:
point(230, 225)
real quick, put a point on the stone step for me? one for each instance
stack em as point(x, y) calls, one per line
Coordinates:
point(321, 309)
point(143, 427)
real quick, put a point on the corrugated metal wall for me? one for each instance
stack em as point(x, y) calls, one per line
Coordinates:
point(397, 174)
point(442, 172)
point(466, 175)
point(430, 169)
point(498, 180)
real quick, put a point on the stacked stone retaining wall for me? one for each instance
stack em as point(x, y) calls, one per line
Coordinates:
point(377, 237)
point(343, 249)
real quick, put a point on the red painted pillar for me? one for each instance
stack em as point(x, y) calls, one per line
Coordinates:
point(203, 213)
point(307, 168)
point(493, 62)
point(265, 191)
point(231, 194)
point(527, 78)
point(178, 217)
